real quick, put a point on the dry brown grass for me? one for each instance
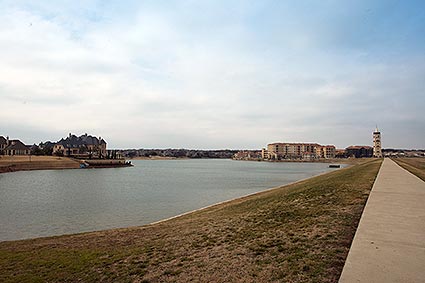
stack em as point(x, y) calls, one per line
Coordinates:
point(414, 165)
point(298, 233)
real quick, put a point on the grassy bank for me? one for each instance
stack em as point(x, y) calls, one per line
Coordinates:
point(20, 163)
point(298, 233)
point(413, 165)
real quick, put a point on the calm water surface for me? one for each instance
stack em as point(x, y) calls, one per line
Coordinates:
point(54, 202)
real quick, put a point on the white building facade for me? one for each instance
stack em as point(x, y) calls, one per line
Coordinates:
point(377, 147)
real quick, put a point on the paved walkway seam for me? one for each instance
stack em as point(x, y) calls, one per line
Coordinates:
point(389, 244)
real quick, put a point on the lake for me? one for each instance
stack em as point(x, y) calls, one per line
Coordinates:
point(55, 202)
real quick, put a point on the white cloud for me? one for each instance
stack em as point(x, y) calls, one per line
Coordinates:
point(160, 78)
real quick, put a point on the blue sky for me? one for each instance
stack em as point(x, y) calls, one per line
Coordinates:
point(213, 74)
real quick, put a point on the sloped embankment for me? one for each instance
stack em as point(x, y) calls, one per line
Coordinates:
point(414, 165)
point(22, 163)
point(297, 233)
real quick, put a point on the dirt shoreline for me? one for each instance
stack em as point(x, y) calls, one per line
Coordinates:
point(10, 164)
point(237, 199)
point(28, 163)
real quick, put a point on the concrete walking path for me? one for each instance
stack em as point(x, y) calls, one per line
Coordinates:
point(389, 244)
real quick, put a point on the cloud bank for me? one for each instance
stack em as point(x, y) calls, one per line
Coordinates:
point(213, 74)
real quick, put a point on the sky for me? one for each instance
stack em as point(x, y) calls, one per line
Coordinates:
point(213, 74)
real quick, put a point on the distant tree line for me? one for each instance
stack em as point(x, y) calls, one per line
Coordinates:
point(45, 148)
point(179, 153)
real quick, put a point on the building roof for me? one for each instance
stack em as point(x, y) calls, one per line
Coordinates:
point(359, 147)
point(73, 141)
point(3, 140)
point(16, 145)
point(291, 143)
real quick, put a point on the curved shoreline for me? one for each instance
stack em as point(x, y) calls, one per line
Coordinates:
point(146, 225)
point(229, 201)
point(300, 231)
point(31, 162)
point(10, 164)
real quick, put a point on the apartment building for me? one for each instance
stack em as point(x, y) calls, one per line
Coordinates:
point(326, 151)
point(306, 151)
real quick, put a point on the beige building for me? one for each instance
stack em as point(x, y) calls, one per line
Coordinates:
point(326, 151)
point(306, 151)
point(264, 153)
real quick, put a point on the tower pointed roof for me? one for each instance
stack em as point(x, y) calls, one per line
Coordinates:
point(376, 130)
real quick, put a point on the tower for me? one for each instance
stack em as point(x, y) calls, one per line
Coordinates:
point(377, 150)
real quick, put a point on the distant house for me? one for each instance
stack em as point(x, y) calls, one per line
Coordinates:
point(13, 147)
point(3, 144)
point(84, 146)
point(340, 153)
point(359, 151)
point(247, 155)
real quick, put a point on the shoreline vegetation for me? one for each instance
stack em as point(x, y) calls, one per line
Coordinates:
point(299, 232)
point(350, 161)
point(156, 157)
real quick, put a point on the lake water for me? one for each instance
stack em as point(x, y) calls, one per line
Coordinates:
point(54, 202)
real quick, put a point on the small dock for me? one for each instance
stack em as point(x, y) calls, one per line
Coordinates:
point(106, 163)
point(334, 166)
